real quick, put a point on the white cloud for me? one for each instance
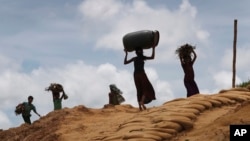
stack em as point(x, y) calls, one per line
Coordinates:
point(8, 63)
point(175, 26)
point(187, 8)
point(202, 35)
point(223, 79)
point(56, 40)
point(99, 9)
point(242, 58)
point(4, 121)
point(85, 85)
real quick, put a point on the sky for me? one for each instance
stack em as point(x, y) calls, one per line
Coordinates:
point(79, 45)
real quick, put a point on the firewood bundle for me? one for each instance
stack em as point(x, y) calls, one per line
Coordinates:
point(185, 51)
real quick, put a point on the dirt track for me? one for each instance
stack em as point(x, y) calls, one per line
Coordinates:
point(201, 117)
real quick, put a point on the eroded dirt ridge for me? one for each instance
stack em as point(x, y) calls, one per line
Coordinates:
point(165, 122)
point(175, 120)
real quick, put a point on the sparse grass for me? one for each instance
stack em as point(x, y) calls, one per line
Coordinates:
point(243, 84)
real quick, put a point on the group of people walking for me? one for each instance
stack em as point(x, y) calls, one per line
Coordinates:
point(25, 108)
point(144, 89)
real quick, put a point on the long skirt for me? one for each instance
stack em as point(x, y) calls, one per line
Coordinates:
point(144, 87)
point(191, 87)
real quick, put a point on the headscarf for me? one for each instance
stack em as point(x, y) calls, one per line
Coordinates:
point(115, 89)
point(120, 99)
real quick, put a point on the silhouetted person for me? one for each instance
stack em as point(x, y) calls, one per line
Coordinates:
point(145, 90)
point(56, 89)
point(28, 106)
point(115, 97)
point(187, 65)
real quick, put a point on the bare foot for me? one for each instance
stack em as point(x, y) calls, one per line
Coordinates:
point(140, 108)
point(143, 106)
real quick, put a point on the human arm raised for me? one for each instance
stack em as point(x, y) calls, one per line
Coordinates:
point(181, 59)
point(63, 94)
point(126, 61)
point(195, 56)
point(153, 54)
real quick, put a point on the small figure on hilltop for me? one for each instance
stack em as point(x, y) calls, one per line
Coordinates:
point(187, 57)
point(115, 95)
point(25, 109)
point(56, 89)
point(145, 90)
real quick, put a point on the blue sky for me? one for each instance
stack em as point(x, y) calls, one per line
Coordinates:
point(79, 44)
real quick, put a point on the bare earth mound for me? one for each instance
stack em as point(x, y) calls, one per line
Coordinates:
point(200, 117)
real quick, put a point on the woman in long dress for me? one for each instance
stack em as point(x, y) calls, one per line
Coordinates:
point(145, 90)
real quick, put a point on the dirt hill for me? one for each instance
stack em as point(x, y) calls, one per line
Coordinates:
point(200, 117)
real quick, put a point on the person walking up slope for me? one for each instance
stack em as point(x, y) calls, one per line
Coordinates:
point(28, 106)
point(56, 89)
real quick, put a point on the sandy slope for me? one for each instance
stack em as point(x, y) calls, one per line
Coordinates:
point(201, 117)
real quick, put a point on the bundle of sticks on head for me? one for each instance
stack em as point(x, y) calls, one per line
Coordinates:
point(55, 87)
point(184, 51)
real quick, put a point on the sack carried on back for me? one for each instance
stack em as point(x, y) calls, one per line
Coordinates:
point(19, 109)
point(55, 87)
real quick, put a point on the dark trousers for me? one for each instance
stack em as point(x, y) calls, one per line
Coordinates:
point(26, 119)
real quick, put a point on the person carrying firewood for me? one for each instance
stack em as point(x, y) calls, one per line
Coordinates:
point(26, 109)
point(56, 89)
point(187, 57)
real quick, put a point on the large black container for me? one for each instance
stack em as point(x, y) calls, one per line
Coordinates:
point(143, 38)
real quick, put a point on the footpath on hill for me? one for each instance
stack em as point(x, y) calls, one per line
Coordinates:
point(200, 117)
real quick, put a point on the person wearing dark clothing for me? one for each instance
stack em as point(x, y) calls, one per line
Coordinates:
point(28, 106)
point(115, 95)
point(187, 66)
point(145, 90)
point(56, 89)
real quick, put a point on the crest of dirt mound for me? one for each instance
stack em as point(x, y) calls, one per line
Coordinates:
point(196, 118)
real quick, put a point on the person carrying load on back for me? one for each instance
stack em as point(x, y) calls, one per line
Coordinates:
point(25, 109)
point(115, 95)
point(56, 89)
point(145, 90)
